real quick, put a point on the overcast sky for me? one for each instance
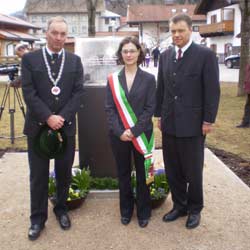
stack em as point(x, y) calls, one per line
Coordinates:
point(10, 6)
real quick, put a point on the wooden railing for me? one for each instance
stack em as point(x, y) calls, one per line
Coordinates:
point(222, 27)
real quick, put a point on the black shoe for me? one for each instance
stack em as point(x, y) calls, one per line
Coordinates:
point(143, 223)
point(125, 220)
point(193, 220)
point(34, 231)
point(64, 221)
point(243, 125)
point(173, 215)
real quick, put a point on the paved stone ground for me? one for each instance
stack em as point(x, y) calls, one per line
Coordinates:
point(96, 225)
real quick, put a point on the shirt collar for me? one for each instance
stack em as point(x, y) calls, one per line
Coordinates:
point(183, 49)
point(51, 52)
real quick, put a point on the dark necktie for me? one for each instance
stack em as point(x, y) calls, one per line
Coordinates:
point(54, 56)
point(179, 54)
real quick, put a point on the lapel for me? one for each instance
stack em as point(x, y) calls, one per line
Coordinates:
point(170, 63)
point(40, 65)
point(182, 64)
point(184, 60)
point(122, 79)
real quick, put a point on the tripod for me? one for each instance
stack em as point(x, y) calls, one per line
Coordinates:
point(11, 93)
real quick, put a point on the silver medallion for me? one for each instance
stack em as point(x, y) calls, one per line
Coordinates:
point(55, 90)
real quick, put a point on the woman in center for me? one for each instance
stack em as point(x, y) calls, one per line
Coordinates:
point(130, 104)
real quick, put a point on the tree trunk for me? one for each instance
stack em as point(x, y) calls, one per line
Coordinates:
point(91, 6)
point(245, 43)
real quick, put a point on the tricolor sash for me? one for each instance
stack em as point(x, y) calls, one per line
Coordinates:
point(129, 120)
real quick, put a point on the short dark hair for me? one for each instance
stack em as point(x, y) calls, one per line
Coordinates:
point(135, 41)
point(182, 17)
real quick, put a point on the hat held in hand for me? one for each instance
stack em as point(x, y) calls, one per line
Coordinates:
point(49, 143)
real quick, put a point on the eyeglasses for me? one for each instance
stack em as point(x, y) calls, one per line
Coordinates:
point(131, 51)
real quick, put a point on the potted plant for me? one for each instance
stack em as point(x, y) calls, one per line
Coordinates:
point(159, 188)
point(78, 190)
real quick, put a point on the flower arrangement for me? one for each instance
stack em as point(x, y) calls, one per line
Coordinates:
point(79, 187)
point(159, 188)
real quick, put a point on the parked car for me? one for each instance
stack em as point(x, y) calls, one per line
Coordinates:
point(232, 61)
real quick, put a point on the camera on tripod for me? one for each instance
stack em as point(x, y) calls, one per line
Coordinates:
point(9, 69)
point(11, 95)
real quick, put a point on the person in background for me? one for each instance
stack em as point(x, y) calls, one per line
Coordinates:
point(188, 94)
point(147, 58)
point(245, 123)
point(20, 50)
point(156, 54)
point(144, 47)
point(52, 84)
point(130, 105)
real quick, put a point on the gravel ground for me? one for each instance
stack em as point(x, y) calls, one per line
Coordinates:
point(96, 225)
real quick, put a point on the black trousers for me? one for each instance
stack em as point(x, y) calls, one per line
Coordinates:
point(246, 116)
point(123, 156)
point(156, 62)
point(184, 159)
point(39, 175)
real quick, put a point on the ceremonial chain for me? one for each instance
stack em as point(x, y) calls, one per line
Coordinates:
point(54, 81)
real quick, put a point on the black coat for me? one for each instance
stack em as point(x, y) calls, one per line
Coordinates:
point(187, 90)
point(41, 103)
point(142, 100)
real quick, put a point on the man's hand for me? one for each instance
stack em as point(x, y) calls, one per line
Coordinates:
point(207, 128)
point(55, 122)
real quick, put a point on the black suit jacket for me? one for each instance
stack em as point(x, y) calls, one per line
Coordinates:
point(41, 103)
point(142, 100)
point(187, 90)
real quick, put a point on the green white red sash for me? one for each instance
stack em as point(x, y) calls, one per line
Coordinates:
point(129, 120)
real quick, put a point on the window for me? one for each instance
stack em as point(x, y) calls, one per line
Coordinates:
point(214, 19)
point(73, 29)
point(110, 29)
point(43, 18)
point(33, 19)
point(106, 20)
point(196, 28)
point(164, 29)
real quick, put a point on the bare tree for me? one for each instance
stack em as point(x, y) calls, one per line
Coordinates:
point(91, 7)
point(245, 43)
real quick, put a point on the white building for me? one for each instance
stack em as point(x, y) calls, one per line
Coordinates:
point(221, 33)
point(75, 13)
point(109, 21)
point(153, 22)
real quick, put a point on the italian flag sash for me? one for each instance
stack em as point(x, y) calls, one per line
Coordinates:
point(129, 120)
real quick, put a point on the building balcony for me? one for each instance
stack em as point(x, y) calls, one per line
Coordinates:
point(217, 29)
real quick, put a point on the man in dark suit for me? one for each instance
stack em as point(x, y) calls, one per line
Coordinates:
point(52, 83)
point(156, 54)
point(187, 102)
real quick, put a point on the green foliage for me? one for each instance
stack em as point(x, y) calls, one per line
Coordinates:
point(158, 189)
point(160, 181)
point(103, 183)
point(52, 186)
point(79, 186)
